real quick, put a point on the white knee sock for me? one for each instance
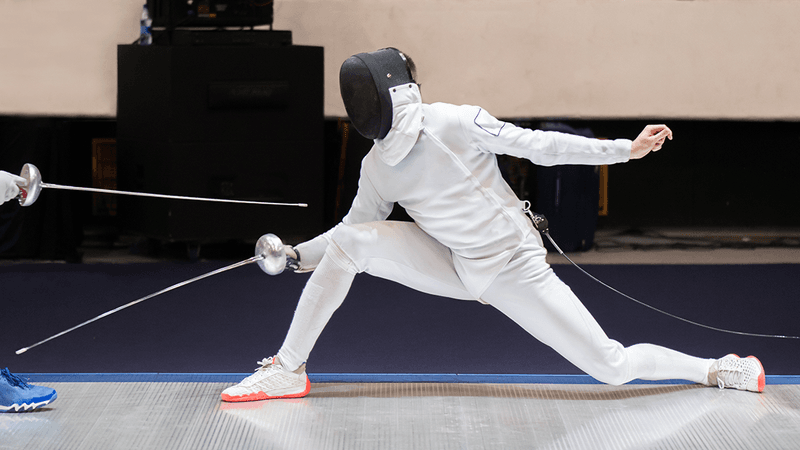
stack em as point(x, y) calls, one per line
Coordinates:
point(322, 295)
point(653, 362)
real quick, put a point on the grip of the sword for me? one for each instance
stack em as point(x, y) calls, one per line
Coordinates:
point(30, 192)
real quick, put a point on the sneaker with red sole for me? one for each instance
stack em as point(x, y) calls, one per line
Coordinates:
point(270, 381)
point(745, 374)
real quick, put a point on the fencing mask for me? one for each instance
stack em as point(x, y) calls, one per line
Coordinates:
point(365, 80)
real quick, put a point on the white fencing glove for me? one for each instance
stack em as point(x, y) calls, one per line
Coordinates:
point(9, 186)
point(306, 256)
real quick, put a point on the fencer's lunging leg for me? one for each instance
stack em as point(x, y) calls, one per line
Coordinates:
point(323, 294)
point(654, 362)
point(397, 251)
point(532, 295)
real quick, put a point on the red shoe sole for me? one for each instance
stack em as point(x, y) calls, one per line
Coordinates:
point(762, 377)
point(262, 396)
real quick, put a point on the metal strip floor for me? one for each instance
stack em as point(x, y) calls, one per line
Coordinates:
point(189, 415)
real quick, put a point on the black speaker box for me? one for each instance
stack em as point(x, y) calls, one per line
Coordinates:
point(232, 122)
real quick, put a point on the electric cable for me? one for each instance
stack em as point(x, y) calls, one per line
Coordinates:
point(541, 224)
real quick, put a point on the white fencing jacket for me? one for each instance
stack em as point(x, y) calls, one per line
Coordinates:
point(438, 162)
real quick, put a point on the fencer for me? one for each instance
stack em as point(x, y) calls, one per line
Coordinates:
point(470, 238)
point(16, 395)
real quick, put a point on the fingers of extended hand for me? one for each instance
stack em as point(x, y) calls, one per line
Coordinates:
point(659, 131)
point(658, 135)
point(651, 139)
point(658, 144)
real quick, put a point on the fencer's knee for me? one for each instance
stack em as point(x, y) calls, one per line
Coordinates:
point(348, 245)
point(610, 366)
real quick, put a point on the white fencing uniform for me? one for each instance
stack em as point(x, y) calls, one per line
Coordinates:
point(470, 238)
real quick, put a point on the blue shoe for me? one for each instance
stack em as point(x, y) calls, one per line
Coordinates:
point(16, 395)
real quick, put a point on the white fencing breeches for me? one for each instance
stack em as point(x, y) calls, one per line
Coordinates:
point(526, 290)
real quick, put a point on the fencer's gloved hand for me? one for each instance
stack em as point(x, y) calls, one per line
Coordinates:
point(312, 251)
point(9, 186)
point(292, 258)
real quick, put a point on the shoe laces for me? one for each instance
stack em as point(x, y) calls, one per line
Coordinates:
point(13, 379)
point(732, 372)
point(267, 364)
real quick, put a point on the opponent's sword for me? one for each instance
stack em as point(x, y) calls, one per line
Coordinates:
point(270, 256)
point(30, 192)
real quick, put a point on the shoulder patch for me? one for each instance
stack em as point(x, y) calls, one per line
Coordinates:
point(488, 123)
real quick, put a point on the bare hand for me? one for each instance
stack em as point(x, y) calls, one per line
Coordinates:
point(650, 140)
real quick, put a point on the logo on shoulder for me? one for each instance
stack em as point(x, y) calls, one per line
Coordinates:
point(488, 123)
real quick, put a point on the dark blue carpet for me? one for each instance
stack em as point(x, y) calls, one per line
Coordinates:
point(225, 323)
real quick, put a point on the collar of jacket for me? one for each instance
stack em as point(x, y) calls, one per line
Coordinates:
point(406, 124)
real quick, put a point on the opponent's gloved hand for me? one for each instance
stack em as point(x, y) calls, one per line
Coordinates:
point(9, 186)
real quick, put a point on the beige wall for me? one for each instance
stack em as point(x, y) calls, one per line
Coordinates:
point(534, 58)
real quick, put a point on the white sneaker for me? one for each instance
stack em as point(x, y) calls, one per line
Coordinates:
point(271, 380)
point(746, 374)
